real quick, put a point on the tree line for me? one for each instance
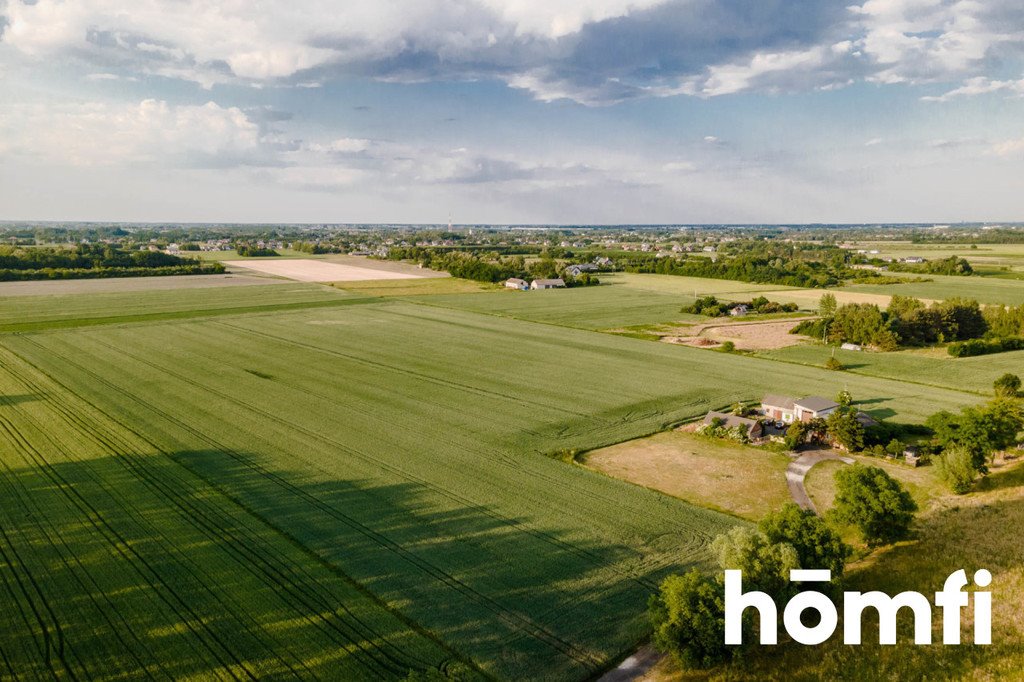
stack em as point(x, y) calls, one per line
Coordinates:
point(92, 261)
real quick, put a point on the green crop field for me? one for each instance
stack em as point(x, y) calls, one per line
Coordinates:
point(344, 491)
point(18, 313)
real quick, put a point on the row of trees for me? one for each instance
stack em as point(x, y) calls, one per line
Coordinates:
point(489, 266)
point(688, 612)
point(87, 261)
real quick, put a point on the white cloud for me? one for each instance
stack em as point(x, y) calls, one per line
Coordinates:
point(980, 85)
point(874, 142)
point(150, 131)
point(1009, 148)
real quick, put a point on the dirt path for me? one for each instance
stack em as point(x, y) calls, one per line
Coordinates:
point(636, 667)
point(797, 471)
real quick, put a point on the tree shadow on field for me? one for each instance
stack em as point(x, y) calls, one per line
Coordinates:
point(194, 563)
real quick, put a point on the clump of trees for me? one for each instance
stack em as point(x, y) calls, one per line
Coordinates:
point(254, 251)
point(688, 612)
point(954, 265)
point(906, 322)
point(710, 306)
point(967, 441)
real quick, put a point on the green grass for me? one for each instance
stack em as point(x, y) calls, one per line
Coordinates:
point(391, 456)
point(931, 367)
point(992, 290)
point(622, 300)
point(18, 313)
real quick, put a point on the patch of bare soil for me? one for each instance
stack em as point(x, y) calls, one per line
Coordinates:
point(751, 335)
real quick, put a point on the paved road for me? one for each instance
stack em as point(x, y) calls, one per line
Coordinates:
point(798, 468)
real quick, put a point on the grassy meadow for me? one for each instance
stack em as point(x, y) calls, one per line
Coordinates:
point(299, 480)
point(988, 290)
point(928, 367)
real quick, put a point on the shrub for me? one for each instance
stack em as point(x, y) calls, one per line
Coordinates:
point(728, 347)
point(834, 364)
point(955, 468)
point(1007, 386)
point(973, 347)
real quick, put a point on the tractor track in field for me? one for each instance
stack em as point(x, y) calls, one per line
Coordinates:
point(124, 549)
point(275, 576)
point(107, 610)
point(513, 619)
point(692, 531)
point(506, 460)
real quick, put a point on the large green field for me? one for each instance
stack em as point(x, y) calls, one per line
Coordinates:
point(344, 491)
point(993, 290)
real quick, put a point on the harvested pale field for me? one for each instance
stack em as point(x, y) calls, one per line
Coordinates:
point(758, 335)
point(385, 265)
point(808, 298)
point(738, 479)
point(309, 270)
point(60, 287)
point(750, 335)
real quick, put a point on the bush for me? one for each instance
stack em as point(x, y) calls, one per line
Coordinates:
point(973, 347)
point(1007, 386)
point(834, 364)
point(956, 469)
point(728, 347)
point(874, 502)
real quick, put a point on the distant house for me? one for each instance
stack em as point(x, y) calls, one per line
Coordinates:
point(814, 407)
point(913, 259)
point(547, 283)
point(730, 421)
point(603, 262)
point(850, 346)
point(779, 407)
point(577, 270)
point(912, 455)
point(739, 311)
point(516, 283)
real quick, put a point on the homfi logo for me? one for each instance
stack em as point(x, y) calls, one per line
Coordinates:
point(951, 600)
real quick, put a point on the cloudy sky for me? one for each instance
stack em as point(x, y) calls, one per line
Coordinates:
point(524, 111)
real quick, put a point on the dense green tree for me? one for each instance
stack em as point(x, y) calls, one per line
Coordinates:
point(765, 564)
point(827, 305)
point(816, 544)
point(874, 502)
point(688, 616)
point(845, 429)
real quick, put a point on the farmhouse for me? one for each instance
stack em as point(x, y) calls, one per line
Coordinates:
point(788, 410)
point(739, 311)
point(547, 283)
point(730, 421)
point(778, 407)
point(814, 407)
point(516, 283)
point(577, 270)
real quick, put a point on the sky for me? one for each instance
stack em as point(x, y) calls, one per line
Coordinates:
point(512, 111)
